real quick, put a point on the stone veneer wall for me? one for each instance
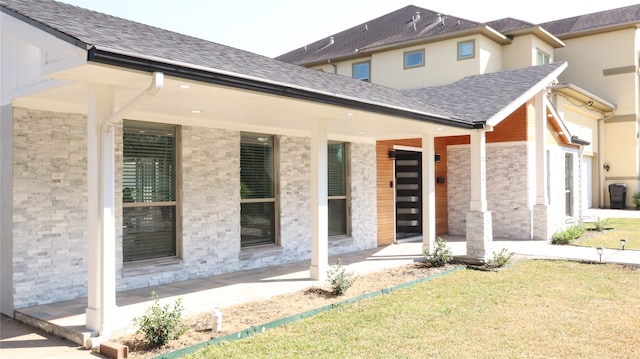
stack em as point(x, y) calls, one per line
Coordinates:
point(507, 189)
point(49, 207)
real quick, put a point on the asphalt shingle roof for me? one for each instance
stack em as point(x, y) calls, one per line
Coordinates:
point(106, 31)
point(594, 21)
point(466, 102)
point(482, 96)
point(395, 27)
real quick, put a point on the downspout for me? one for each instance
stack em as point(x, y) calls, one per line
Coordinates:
point(157, 83)
point(335, 67)
point(107, 197)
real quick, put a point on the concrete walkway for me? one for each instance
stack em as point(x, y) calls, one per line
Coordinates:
point(201, 295)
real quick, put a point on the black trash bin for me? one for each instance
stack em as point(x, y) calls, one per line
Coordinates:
point(618, 195)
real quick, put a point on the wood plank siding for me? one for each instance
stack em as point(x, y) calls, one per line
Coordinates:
point(513, 128)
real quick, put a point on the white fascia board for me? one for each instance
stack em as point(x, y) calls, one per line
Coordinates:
point(526, 96)
point(566, 135)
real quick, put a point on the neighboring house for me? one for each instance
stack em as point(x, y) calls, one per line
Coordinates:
point(602, 52)
point(414, 48)
point(133, 156)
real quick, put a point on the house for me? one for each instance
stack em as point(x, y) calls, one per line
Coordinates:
point(134, 156)
point(414, 48)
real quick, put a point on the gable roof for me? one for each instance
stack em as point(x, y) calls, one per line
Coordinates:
point(485, 97)
point(609, 19)
point(124, 43)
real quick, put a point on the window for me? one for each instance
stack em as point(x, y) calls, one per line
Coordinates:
point(466, 49)
point(257, 190)
point(361, 71)
point(149, 195)
point(543, 58)
point(568, 183)
point(338, 189)
point(413, 59)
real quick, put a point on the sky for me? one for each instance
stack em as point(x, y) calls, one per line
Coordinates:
point(274, 27)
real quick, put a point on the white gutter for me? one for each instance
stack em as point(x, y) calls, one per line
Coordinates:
point(263, 80)
point(157, 82)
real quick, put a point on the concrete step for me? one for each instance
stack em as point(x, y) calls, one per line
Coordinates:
point(76, 334)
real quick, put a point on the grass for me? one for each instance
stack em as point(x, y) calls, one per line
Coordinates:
point(628, 228)
point(534, 309)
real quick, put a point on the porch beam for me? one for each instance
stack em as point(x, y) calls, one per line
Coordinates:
point(319, 201)
point(428, 192)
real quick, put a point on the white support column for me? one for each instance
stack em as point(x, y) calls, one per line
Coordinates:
point(540, 219)
point(6, 209)
point(479, 222)
point(428, 193)
point(542, 197)
point(478, 171)
point(319, 201)
point(100, 216)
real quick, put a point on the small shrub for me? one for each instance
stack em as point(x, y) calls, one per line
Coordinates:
point(561, 237)
point(567, 235)
point(636, 199)
point(575, 231)
point(340, 279)
point(500, 259)
point(161, 324)
point(600, 224)
point(441, 254)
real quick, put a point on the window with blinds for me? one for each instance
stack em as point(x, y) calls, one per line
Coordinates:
point(338, 189)
point(149, 191)
point(257, 190)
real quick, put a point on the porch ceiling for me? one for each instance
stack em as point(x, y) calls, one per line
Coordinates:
point(224, 107)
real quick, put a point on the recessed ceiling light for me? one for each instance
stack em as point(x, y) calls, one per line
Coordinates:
point(349, 113)
point(196, 111)
point(361, 132)
point(184, 86)
point(439, 129)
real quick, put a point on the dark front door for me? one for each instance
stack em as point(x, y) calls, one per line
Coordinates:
point(408, 194)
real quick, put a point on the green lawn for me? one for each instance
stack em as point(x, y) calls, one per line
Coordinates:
point(627, 228)
point(536, 309)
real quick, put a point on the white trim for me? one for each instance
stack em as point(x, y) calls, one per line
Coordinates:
point(526, 96)
point(407, 148)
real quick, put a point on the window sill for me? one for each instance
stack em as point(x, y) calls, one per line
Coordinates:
point(149, 266)
point(254, 252)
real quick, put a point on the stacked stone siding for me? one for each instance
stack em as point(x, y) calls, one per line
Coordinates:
point(507, 189)
point(364, 228)
point(49, 207)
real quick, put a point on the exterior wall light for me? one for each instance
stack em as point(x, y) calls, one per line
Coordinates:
point(606, 166)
